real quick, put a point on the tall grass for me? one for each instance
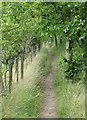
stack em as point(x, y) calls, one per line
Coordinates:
point(70, 96)
point(25, 100)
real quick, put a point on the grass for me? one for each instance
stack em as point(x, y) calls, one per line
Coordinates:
point(70, 96)
point(0, 108)
point(26, 99)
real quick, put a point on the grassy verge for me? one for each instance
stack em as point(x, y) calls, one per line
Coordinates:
point(25, 100)
point(70, 96)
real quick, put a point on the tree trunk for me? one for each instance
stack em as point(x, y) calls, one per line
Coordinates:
point(51, 39)
point(31, 55)
point(69, 52)
point(34, 50)
point(6, 76)
point(0, 67)
point(5, 79)
point(26, 62)
point(0, 74)
point(10, 77)
point(55, 40)
point(22, 66)
point(85, 78)
point(85, 63)
point(17, 72)
point(39, 46)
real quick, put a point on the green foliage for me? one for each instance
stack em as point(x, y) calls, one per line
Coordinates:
point(17, 22)
point(22, 22)
point(74, 27)
point(75, 69)
point(70, 96)
point(27, 25)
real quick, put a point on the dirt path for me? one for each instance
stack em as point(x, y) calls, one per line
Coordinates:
point(49, 106)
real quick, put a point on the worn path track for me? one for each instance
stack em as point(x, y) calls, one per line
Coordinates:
point(49, 105)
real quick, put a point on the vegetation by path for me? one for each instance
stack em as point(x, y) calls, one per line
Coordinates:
point(70, 96)
point(25, 28)
point(49, 106)
point(25, 99)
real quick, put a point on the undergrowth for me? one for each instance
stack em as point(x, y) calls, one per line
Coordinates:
point(70, 96)
point(25, 100)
